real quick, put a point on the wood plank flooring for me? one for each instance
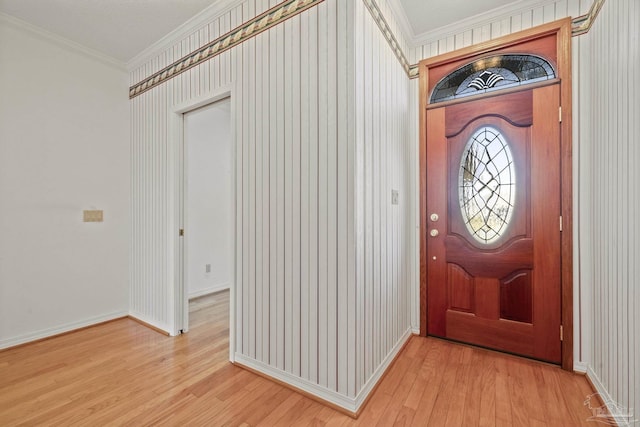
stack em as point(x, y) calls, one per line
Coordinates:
point(122, 373)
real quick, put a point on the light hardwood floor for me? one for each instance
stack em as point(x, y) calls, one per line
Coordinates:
point(122, 373)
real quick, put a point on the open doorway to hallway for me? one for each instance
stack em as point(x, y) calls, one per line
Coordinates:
point(208, 203)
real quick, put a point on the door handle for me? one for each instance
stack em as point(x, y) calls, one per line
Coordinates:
point(434, 233)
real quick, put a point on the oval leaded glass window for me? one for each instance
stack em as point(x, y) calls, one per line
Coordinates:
point(486, 184)
point(492, 73)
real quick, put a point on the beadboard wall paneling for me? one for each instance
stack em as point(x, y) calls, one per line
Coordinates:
point(304, 145)
point(155, 161)
point(317, 156)
point(384, 163)
point(541, 13)
point(609, 234)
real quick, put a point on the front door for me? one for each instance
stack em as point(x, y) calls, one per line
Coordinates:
point(493, 222)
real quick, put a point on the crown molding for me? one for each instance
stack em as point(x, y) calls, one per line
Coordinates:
point(63, 42)
point(215, 10)
point(401, 18)
point(477, 20)
point(579, 25)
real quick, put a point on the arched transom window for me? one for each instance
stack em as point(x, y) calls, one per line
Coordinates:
point(492, 73)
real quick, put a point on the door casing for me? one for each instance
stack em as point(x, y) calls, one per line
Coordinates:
point(562, 29)
point(179, 298)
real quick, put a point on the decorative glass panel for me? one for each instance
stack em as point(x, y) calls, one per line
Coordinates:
point(486, 184)
point(492, 73)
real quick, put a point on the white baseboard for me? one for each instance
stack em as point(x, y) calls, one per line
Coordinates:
point(152, 322)
point(415, 331)
point(302, 384)
point(207, 291)
point(351, 404)
point(377, 375)
point(68, 327)
point(621, 419)
point(580, 367)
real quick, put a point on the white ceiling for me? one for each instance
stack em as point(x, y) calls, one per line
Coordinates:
point(118, 28)
point(427, 15)
point(122, 29)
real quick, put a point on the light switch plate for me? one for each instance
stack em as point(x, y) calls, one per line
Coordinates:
point(92, 216)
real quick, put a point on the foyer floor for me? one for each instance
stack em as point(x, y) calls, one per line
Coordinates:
point(123, 373)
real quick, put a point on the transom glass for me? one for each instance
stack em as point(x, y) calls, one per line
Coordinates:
point(492, 73)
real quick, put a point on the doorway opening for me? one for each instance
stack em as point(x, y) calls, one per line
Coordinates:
point(208, 204)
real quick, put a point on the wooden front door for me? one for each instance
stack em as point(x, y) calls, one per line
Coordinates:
point(493, 222)
point(495, 194)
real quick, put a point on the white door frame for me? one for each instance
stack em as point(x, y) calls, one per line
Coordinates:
point(179, 298)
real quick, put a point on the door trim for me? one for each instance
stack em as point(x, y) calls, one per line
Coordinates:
point(178, 295)
point(562, 28)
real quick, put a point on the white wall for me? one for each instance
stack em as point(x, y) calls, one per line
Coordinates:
point(320, 141)
point(532, 13)
point(210, 205)
point(608, 58)
point(385, 233)
point(64, 147)
point(309, 306)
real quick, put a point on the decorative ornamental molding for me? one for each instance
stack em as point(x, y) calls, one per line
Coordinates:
point(378, 17)
point(582, 24)
point(414, 71)
point(249, 29)
point(289, 8)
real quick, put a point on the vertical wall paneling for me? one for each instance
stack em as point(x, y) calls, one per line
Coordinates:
point(323, 261)
point(296, 242)
point(332, 186)
point(260, 217)
point(249, 188)
point(287, 198)
point(383, 231)
point(634, 206)
point(322, 194)
point(347, 345)
point(365, 280)
point(304, 196)
point(374, 205)
point(263, 135)
point(359, 19)
point(314, 222)
point(314, 234)
point(609, 202)
point(301, 307)
point(273, 167)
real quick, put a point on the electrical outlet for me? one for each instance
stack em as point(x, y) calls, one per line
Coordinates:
point(207, 268)
point(92, 216)
point(394, 197)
